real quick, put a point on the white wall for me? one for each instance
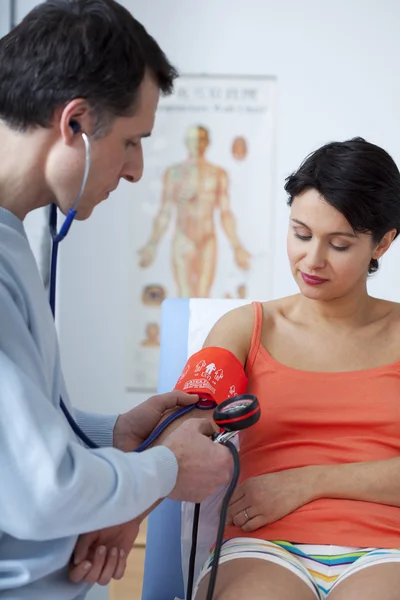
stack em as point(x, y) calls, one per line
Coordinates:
point(337, 69)
point(4, 17)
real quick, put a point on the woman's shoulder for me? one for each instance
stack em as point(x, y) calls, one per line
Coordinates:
point(234, 329)
point(275, 309)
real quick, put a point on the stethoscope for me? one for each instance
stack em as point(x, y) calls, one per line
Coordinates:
point(231, 416)
point(57, 237)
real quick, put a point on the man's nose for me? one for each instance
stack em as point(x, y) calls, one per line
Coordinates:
point(133, 170)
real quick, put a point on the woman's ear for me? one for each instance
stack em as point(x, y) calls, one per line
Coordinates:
point(384, 244)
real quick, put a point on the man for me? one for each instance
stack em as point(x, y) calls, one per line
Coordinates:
point(196, 188)
point(75, 66)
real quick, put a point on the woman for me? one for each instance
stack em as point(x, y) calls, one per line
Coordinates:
point(317, 510)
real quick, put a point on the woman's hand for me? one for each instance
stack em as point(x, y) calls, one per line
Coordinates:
point(267, 498)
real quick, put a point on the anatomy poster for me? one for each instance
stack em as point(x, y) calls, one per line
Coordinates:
point(201, 218)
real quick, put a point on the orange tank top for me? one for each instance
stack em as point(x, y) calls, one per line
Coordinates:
point(310, 418)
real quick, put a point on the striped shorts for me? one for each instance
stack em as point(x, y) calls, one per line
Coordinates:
point(320, 567)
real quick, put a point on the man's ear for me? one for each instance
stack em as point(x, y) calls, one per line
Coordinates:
point(74, 118)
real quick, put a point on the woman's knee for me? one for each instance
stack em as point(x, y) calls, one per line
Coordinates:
point(256, 579)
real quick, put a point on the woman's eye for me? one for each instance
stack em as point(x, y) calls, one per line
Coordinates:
point(340, 248)
point(305, 238)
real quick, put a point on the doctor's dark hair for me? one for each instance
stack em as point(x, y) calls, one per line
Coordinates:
point(360, 180)
point(66, 49)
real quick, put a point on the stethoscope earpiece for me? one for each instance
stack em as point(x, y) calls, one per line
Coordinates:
point(76, 128)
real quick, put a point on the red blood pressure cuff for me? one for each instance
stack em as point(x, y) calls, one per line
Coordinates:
point(214, 374)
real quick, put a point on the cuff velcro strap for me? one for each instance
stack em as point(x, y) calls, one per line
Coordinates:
point(214, 374)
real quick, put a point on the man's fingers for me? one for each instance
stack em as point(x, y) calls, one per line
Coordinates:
point(79, 572)
point(109, 567)
point(174, 399)
point(82, 547)
point(104, 567)
point(98, 563)
point(121, 567)
point(183, 399)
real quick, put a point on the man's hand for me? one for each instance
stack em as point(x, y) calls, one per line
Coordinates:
point(267, 498)
point(101, 555)
point(202, 465)
point(135, 426)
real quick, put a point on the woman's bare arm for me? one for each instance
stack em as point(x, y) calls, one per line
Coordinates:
point(232, 332)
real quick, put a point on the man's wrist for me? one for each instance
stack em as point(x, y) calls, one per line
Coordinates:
point(98, 427)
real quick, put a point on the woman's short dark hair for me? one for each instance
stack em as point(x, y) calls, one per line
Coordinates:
point(66, 49)
point(359, 179)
